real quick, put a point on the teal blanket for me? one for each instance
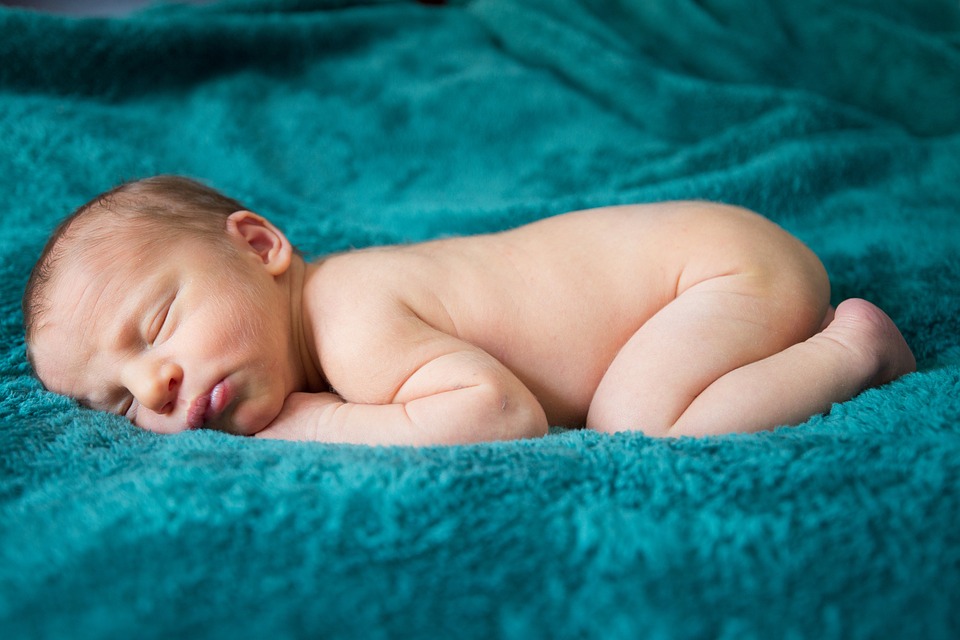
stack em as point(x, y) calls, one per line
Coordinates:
point(358, 122)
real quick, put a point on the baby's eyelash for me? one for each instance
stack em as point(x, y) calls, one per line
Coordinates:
point(162, 320)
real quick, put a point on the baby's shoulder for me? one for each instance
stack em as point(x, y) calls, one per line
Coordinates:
point(361, 315)
point(350, 291)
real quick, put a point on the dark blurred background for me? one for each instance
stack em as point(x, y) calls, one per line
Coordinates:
point(91, 7)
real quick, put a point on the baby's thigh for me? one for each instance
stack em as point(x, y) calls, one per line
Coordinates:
point(718, 324)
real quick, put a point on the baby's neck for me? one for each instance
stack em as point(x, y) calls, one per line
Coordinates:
point(301, 336)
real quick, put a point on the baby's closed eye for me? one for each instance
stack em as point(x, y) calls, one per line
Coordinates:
point(159, 323)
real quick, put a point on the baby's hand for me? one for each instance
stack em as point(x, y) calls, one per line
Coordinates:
point(300, 417)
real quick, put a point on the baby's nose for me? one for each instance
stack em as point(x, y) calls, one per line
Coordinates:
point(157, 390)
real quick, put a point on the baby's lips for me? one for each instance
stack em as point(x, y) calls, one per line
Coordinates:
point(207, 407)
point(196, 414)
point(217, 400)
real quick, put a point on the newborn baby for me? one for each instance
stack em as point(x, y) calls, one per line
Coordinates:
point(171, 304)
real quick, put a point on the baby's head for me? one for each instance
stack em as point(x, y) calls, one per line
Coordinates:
point(169, 303)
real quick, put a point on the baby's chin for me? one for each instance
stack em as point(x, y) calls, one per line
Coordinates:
point(247, 420)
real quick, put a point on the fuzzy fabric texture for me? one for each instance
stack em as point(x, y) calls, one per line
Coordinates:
point(357, 122)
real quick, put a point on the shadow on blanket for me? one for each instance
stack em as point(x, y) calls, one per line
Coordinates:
point(354, 123)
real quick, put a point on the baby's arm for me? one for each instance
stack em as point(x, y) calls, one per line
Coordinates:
point(457, 393)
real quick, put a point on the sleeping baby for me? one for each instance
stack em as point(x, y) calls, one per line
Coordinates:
point(173, 305)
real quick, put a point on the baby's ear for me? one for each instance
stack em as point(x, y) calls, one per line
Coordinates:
point(262, 238)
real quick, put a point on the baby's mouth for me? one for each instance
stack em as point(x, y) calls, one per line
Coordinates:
point(209, 405)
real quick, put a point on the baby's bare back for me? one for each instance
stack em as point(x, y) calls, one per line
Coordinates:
point(555, 300)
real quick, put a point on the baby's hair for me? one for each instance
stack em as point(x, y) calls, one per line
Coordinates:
point(164, 204)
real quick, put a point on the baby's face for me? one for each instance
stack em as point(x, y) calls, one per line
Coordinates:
point(172, 336)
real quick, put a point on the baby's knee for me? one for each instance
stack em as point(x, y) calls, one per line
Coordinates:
point(619, 404)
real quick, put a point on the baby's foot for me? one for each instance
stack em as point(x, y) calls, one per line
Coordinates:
point(873, 339)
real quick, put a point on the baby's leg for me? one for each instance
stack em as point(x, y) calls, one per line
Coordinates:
point(726, 357)
point(860, 348)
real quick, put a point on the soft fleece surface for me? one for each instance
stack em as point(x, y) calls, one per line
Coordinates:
point(357, 122)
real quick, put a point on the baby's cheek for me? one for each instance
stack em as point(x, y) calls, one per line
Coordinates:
point(245, 329)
